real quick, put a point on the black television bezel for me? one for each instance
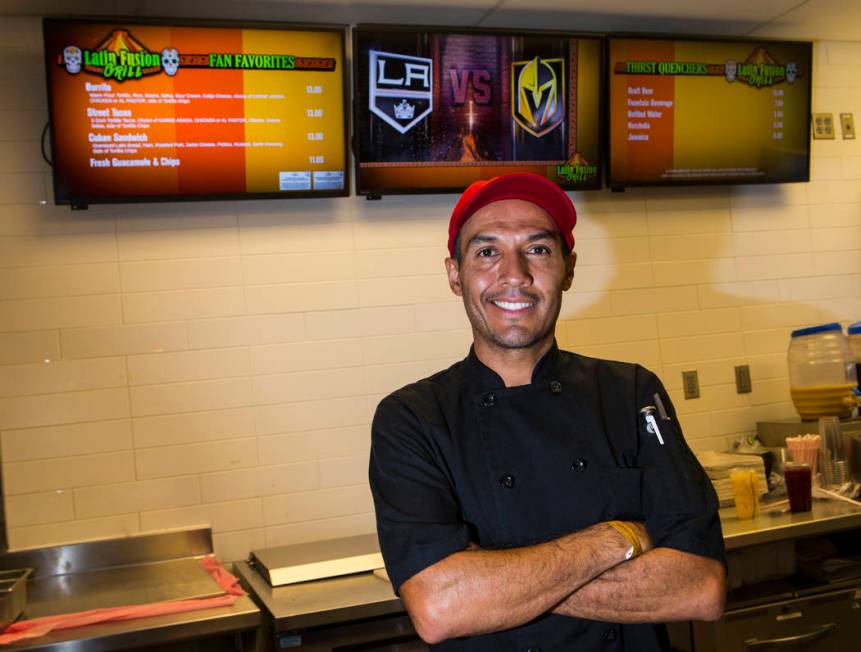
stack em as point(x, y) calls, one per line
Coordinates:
point(79, 202)
point(463, 29)
point(617, 186)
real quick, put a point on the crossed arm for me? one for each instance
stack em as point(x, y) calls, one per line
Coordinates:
point(584, 575)
point(661, 586)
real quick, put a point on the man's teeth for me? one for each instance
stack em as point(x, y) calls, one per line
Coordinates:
point(512, 305)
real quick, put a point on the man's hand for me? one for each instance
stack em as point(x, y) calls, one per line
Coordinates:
point(663, 585)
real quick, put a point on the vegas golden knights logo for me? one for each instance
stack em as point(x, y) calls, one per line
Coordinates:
point(538, 94)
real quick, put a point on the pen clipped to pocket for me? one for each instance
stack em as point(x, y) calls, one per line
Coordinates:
point(652, 428)
point(649, 412)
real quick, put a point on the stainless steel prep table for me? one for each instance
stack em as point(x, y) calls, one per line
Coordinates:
point(826, 516)
point(357, 611)
point(798, 611)
point(136, 570)
point(322, 602)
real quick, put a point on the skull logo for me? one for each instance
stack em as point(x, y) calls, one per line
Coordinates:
point(730, 70)
point(791, 71)
point(170, 61)
point(72, 59)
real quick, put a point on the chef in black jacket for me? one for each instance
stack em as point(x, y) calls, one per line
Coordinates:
point(529, 498)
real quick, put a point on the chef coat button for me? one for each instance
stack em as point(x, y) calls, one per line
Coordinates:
point(506, 480)
point(610, 635)
point(579, 465)
point(555, 387)
point(489, 399)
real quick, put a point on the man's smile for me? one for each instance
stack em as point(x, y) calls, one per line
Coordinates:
point(511, 305)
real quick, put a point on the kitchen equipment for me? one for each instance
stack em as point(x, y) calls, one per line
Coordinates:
point(350, 612)
point(13, 594)
point(319, 559)
point(821, 371)
point(128, 571)
point(823, 622)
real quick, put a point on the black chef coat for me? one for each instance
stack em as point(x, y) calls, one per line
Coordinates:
point(458, 457)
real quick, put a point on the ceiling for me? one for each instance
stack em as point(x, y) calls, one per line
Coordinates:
point(805, 19)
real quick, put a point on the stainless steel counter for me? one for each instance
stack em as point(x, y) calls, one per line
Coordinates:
point(153, 568)
point(776, 525)
point(322, 602)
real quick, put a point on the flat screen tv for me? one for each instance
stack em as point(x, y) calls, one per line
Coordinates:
point(703, 111)
point(438, 108)
point(174, 111)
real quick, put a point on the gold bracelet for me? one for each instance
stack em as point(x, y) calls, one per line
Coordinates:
point(626, 531)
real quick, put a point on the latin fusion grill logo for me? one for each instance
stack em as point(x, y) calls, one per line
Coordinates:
point(400, 89)
point(759, 70)
point(538, 94)
point(121, 56)
point(576, 173)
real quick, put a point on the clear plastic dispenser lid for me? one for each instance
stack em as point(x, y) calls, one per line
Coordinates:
point(813, 330)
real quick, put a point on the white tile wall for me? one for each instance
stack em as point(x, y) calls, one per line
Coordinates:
point(57, 250)
point(53, 376)
point(79, 529)
point(59, 281)
point(156, 275)
point(64, 472)
point(170, 365)
point(136, 496)
point(123, 339)
point(66, 440)
point(166, 461)
point(63, 312)
point(156, 368)
point(211, 425)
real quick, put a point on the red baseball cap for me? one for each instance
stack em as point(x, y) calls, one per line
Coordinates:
point(517, 185)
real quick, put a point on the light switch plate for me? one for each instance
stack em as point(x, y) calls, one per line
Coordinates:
point(691, 384)
point(823, 125)
point(847, 126)
point(742, 379)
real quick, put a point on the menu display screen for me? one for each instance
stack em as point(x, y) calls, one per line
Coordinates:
point(436, 110)
point(162, 111)
point(699, 111)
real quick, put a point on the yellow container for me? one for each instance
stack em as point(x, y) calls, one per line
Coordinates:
point(821, 371)
point(823, 400)
point(745, 491)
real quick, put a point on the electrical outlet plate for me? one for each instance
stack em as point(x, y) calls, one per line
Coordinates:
point(691, 384)
point(742, 379)
point(847, 126)
point(823, 126)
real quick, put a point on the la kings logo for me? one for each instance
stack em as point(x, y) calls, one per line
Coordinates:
point(400, 89)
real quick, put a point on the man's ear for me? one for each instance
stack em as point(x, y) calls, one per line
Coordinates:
point(452, 268)
point(570, 262)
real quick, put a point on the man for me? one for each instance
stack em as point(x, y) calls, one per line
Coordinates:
point(524, 501)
